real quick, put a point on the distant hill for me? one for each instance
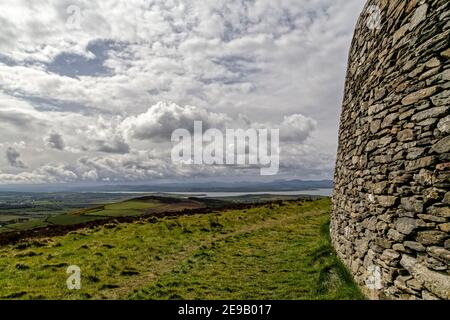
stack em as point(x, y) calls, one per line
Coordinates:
point(216, 186)
point(211, 186)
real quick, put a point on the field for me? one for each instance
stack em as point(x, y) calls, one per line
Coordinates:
point(125, 208)
point(24, 210)
point(274, 251)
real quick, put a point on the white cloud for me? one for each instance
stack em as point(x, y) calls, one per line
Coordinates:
point(85, 93)
point(163, 118)
point(297, 128)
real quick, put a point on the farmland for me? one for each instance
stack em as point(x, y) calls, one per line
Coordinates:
point(38, 211)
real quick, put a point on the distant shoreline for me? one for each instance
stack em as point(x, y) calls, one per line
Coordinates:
point(326, 192)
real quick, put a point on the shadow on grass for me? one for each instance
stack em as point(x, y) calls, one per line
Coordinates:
point(332, 271)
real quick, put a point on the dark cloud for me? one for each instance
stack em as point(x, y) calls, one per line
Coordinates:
point(18, 119)
point(55, 141)
point(114, 146)
point(13, 157)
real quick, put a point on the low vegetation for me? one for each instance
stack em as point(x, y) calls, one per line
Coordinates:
point(276, 251)
point(127, 208)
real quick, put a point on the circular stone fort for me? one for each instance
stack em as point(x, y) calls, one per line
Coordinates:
point(391, 203)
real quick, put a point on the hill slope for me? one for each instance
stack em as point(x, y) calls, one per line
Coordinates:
point(269, 252)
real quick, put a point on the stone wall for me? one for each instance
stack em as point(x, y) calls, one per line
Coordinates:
point(391, 215)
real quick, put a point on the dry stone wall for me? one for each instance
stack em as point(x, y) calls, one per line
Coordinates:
point(391, 203)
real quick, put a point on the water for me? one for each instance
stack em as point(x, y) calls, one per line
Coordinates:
point(313, 192)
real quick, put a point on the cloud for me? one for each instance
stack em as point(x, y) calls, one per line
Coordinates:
point(114, 146)
point(101, 92)
point(13, 157)
point(297, 128)
point(57, 173)
point(104, 136)
point(44, 174)
point(128, 167)
point(163, 118)
point(15, 118)
point(55, 141)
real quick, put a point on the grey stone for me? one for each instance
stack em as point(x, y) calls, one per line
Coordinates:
point(398, 247)
point(442, 146)
point(375, 126)
point(431, 237)
point(446, 198)
point(379, 187)
point(419, 95)
point(427, 295)
point(387, 201)
point(433, 63)
point(424, 177)
point(440, 253)
point(429, 217)
point(412, 204)
point(371, 145)
point(376, 109)
point(441, 99)
point(420, 163)
point(407, 225)
point(436, 283)
point(444, 125)
point(430, 113)
point(414, 284)
point(400, 33)
point(443, 212)
point(416, 246)
point(447, 244)
point(390, 256)
point(419, 15)
point(405, 135)
point(389, 120)
point(445, 227)
point(435, 264)
point(446, 53)
point(395, 235)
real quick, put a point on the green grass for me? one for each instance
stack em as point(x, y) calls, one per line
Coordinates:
point(120, 209)
point(282, 252)
point(6, 218)
point(31, 224)
point(66, 219)
point(127, 208)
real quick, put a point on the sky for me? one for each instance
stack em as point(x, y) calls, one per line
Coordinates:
point(90, 90)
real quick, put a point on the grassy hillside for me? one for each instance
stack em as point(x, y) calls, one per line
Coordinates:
point(269, 252)
point(128, 208)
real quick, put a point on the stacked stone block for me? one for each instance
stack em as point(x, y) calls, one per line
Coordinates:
point(391, 202)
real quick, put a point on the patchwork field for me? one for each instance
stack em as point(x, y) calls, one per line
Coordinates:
point(275, 251)
point(127, 208)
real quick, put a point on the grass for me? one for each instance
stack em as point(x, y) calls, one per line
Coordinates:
point(31, 224)
point(270, 252)
point(66, 219)
point(126, 208)
point(130, 208)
